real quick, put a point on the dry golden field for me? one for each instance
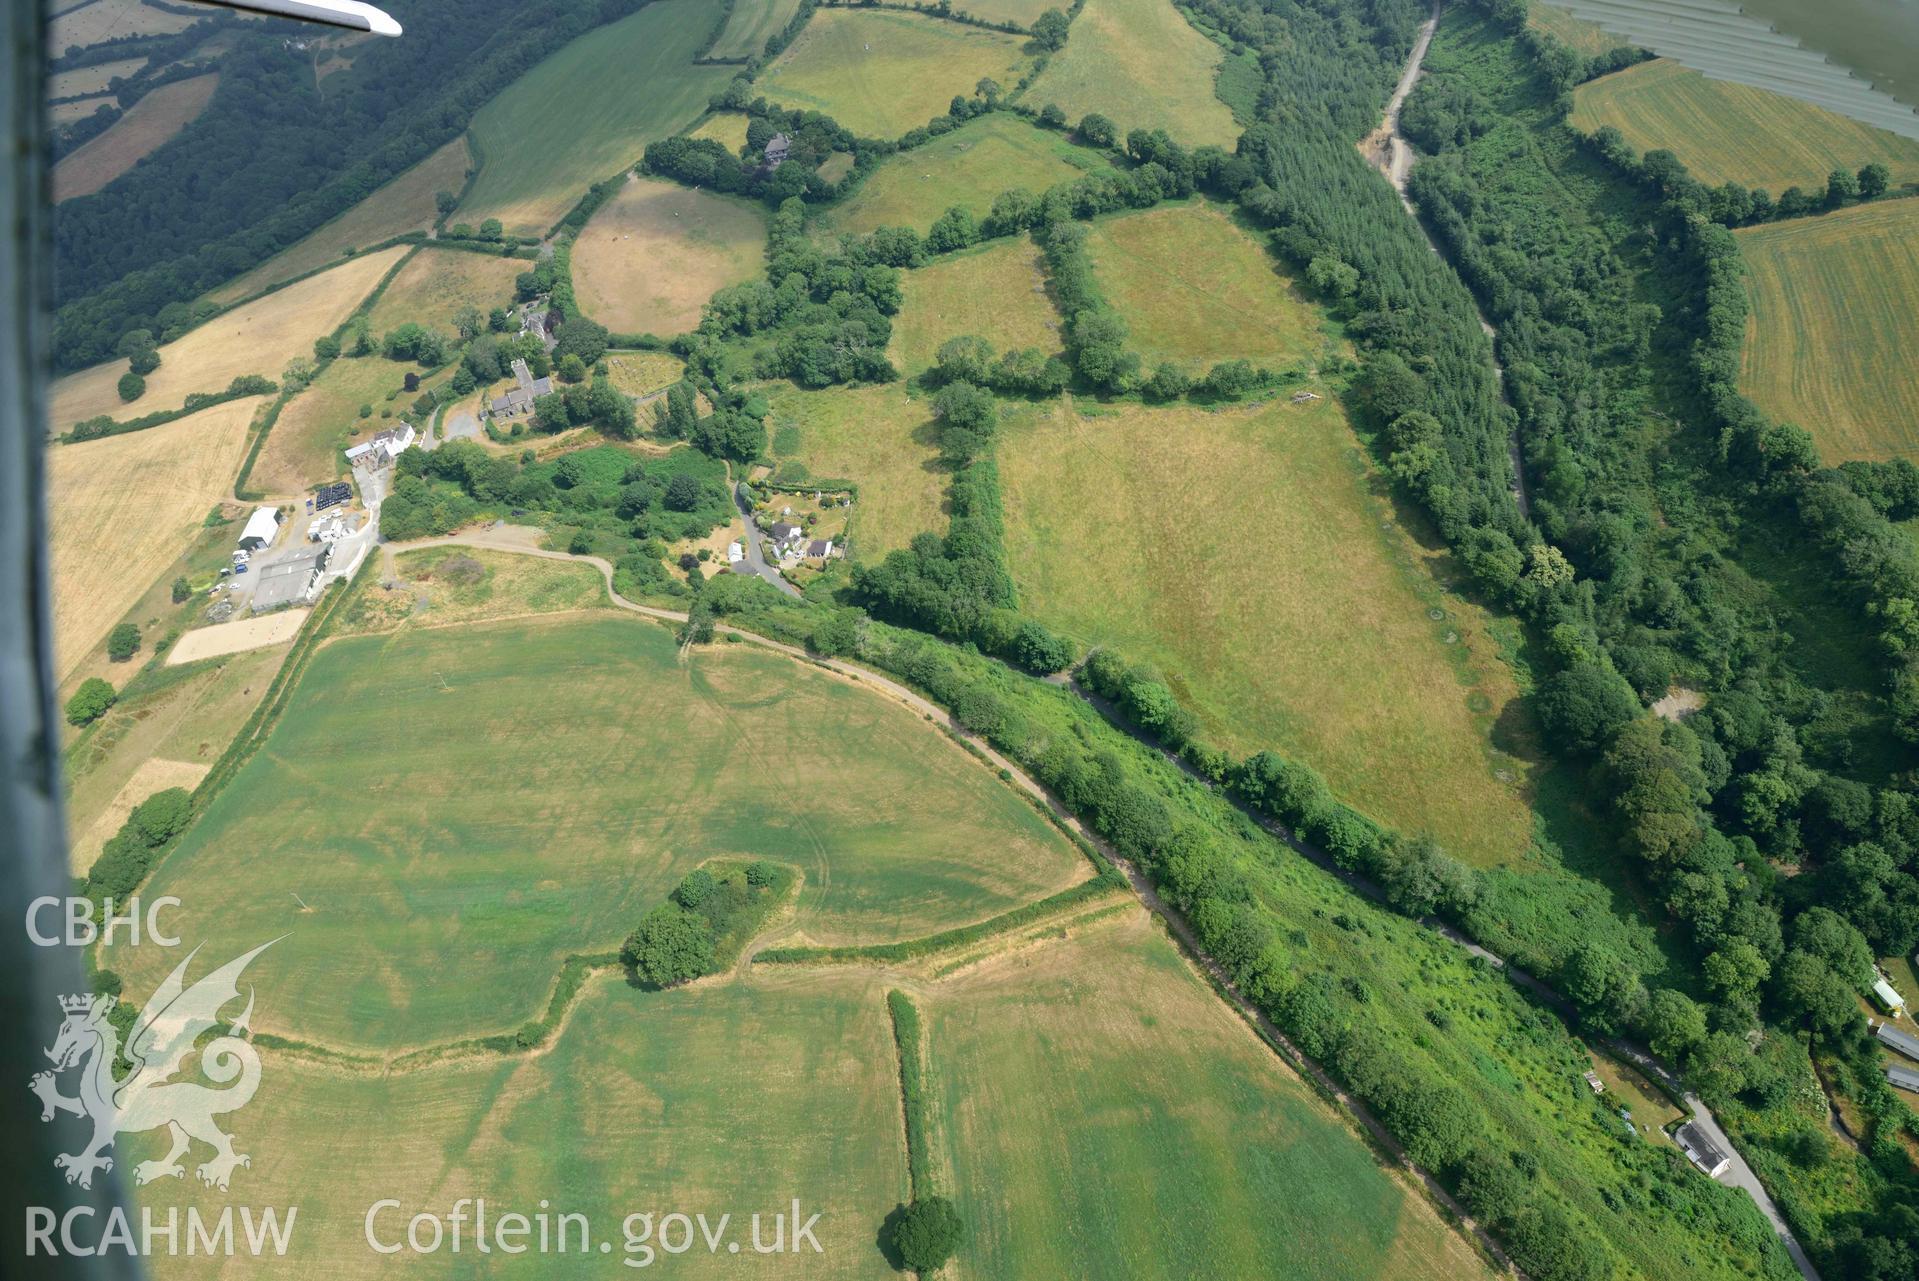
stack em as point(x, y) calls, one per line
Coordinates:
point(94, 79)
point(1835, 308)
point(153, 775)
point(108, 20)
point(258, 338)
point(120, 508)
point(1725, 132)
point(654, 254)
point(403, 205)
point(434, 284)
point(139, 133)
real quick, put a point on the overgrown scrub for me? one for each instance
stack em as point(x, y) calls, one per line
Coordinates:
point(709, 917)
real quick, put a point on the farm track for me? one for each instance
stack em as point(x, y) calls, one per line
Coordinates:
point(1387, 150)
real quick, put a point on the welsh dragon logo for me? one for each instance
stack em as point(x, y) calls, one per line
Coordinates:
point(147, 1097)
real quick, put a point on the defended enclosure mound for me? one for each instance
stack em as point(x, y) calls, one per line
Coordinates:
point(1244, 553)
point(259, 338)
point(967, 167)
point(1195, 289)
point(1098, 1082)
point(143, 130)
point(1725, 132)
point(577, 771)
point(403, 205)
point(1835, 305)
point(999, 290)
point(587, 110)
point(120, 510)
point(1143, 66)
point(880, 74)
point(654, 254)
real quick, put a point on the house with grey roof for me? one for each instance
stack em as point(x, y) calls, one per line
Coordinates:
point(520, 397)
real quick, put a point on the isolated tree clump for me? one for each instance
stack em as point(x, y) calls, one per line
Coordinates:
point(927, 1233)
point(671, 946)
point(123, 642)
point(90, 701)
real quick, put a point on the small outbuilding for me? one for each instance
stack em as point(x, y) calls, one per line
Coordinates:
point(1901, 1042)
point(1701, 1150)
point(261, 527)
point(1887, 996)
point(1904, 1077)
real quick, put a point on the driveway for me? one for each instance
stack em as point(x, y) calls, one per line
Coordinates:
point(755, 558)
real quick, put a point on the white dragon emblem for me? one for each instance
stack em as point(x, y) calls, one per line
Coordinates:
point(157, 1047)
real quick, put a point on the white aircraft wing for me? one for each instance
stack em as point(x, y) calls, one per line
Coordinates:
point(351, 14)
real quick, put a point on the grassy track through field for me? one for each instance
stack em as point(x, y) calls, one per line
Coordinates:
point(751, 24)
point(880, 73)
point(590, 108)
point(653, 255)
point(1835, 306)
point(1143, 66)
point(578, 771)
point(1245, 555)
point(967, 167)
point(1725, 132)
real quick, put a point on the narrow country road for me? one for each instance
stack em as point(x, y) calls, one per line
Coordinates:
point(1387, 150)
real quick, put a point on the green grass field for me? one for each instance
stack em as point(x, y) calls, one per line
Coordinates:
point(653, 255)
point(1835, 305)
point(551, 782)
point(1139, 63)
point(879, 438)
point(1583, 37)
point(717, 1099)
point(998, 291)
point(1195, 289)
point(587, 110)
point(880, 74)
point(1107, 1116)
point(967, 167)
point(1727, 132)
point(1248, 555)
point(728, 128)
point(1022, 12)
point(751, 24)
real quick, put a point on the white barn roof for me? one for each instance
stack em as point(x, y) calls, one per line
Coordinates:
point(263, 525)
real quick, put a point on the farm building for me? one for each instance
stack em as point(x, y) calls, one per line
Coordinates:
point(520, 399)
point(1701, 1150)
point(1904, 1077)
point(383, 448)
point(260, 528)
point(1904, 1042)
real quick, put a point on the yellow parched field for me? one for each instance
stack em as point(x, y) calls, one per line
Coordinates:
point(1835, 310)
point(1583, 37)
point(1140, 64)
point(153, 775)
point(120, 509)
point(259, 338)
point(1195, 289)
point(139, 133)
point(434, 284)
point(654, 254)
point(303, 448)
point(1244, 553)
point(1726, 132)
point(403, 205)
point(109, 20)
point(881, 74)
point(997, 293)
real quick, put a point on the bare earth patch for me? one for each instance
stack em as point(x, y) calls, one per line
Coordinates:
point(232, 638)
